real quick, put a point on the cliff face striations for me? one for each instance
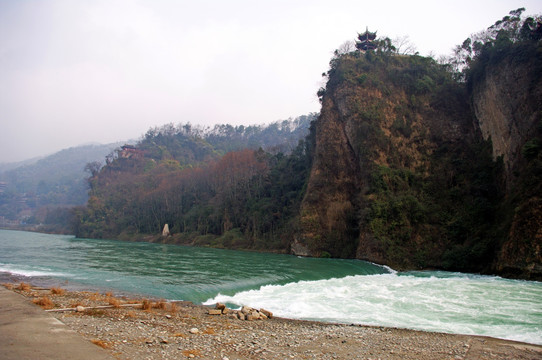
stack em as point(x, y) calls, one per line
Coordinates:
point(412, 170)
point(507, 100)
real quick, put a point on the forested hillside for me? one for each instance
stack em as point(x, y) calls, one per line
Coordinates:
point(411, 162)
point(214, 187)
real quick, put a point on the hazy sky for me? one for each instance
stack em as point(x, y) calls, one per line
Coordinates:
point(80, 71)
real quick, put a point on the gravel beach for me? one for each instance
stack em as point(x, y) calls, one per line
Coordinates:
point(162, 330)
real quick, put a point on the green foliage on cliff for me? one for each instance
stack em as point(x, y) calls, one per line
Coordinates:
point(513, 34)
point(424, 185)
point(395, 169)
point(423, 190)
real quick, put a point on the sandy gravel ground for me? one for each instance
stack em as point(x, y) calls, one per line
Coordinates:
point(183, 330)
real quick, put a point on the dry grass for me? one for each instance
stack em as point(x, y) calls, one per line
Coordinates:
point(160, 305)
point(24, 287)
point(194, 352)
point(44, 302)
point(132, 301)
point(76, 304)
point(130, 314)
point(95, 297)
point(173, 308)
point(209, 331)
point(114, 302)
point(146, 304)
point(8, 286)
point(57, 291)
point(95, 312)
point(101, 343)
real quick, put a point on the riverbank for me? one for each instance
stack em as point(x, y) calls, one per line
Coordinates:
point(183, 330)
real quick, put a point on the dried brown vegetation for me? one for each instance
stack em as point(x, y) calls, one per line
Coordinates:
point(8, 286)
point(146, 304)
point(194, 353)
point(45, 302)
point(114, 301)
point(57, 291)
point(101, 343)
point(24, 287)
point(161, 304)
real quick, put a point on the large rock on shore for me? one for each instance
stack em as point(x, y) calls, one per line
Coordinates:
point(246, 312)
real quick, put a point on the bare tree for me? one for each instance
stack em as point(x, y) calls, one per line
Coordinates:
point(346, 47)
point(404, 46)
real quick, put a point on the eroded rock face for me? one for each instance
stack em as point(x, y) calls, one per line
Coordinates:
point(507, 103)
point(364, 126)
point(521, 253)
point(507, 107)
point(402, 172)
point(334, 183)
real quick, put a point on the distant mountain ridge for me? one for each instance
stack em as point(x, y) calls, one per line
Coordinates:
point(51, 181)
point(6, 166)
point(31, 191)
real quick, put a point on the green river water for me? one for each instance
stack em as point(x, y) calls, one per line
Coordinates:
point(347, 291)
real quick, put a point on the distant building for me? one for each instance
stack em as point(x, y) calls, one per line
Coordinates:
point(130, 151)
point(366, 40)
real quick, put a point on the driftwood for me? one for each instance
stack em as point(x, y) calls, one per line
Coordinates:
point(82, 308)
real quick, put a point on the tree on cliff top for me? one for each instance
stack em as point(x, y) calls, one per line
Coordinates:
point(511, 29)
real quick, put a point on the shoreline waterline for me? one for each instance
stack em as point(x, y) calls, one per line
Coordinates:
point(329, 290)
point(71, 286)
point(188, 329)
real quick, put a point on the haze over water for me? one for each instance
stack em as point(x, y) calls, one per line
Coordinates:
point(347, 291)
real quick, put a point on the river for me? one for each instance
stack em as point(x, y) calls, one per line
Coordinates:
point(332, 290)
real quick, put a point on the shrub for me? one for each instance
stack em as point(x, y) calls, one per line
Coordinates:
point(531, 149)
point(113, 301)
point(146, 304)
point(160, 305)
point(57, 291)
point(44, 302)
point(24, 287)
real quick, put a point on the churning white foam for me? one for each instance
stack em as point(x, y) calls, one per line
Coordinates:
point(454, 303)
point(20, 270)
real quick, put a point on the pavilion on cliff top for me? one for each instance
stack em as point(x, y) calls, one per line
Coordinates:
point(366, 40)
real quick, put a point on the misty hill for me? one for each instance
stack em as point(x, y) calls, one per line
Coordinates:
point(55, 180)
point(13, 165)
point(190, 144)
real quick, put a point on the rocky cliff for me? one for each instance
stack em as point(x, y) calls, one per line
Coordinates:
point(412, 170)
point(507, 101)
